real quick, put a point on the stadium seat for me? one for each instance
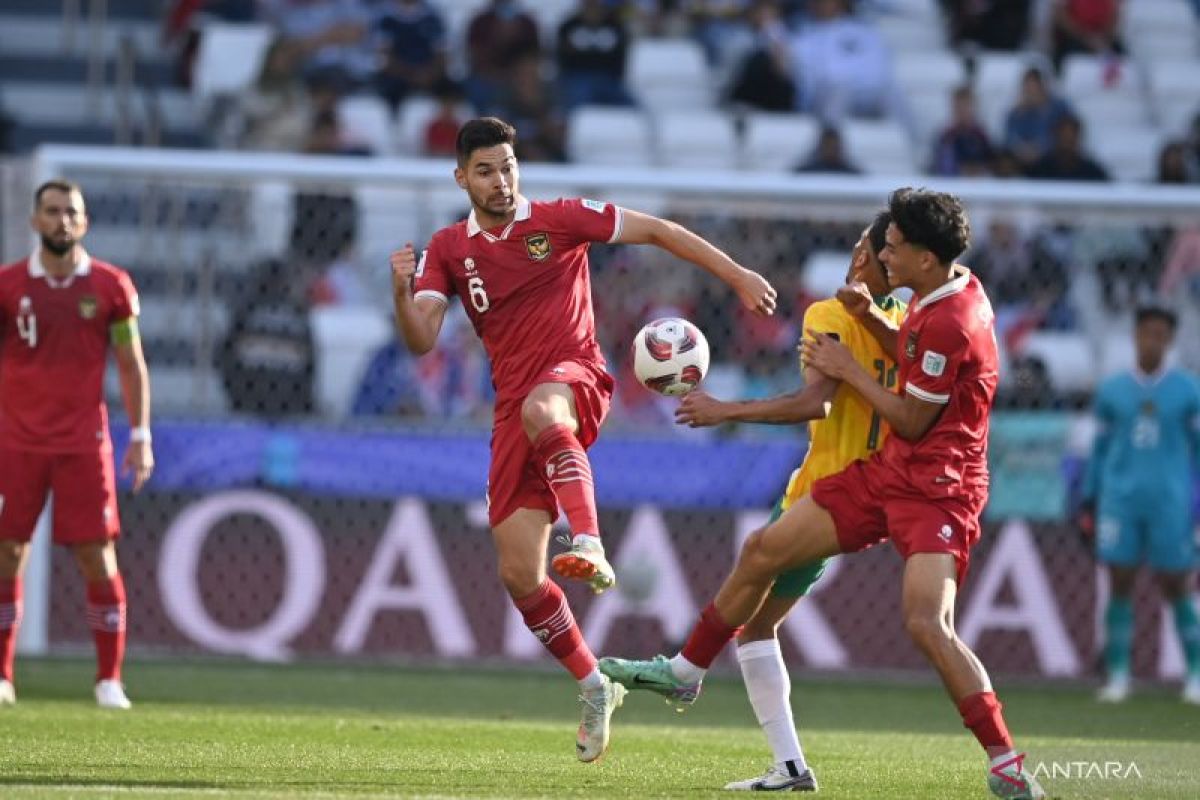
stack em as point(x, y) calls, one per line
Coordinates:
point(271, 215)
point(1068, 358)
point(665, 74)
point(879, 147)
point(413, 118)
point(366, 120)
point(1116, 351)
point(1101, 110)
point(1151, 18)
point(345, 337)
point(777, 142)
point(1176, 93)
point(1129, 153)
point(908, 35)
point(697, 139)
point(930, 112)
point(824, 272)
point(930, 72)
point(230, 57)
point(387, 218)
point(925, 10)
point(608, 135)
point(1085, 75)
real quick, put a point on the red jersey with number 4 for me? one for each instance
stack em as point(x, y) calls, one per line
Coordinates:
point(54, 338)
point(947, 355)
point(525, 286)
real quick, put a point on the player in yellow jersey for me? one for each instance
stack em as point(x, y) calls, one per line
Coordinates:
point(842, 428)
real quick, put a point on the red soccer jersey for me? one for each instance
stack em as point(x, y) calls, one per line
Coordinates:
point(54, 338)
point(948, 355)
point(525, 287)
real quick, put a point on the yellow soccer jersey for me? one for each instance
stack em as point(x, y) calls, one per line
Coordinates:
point(852, 430)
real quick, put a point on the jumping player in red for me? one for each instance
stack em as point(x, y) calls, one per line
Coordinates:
point(520, 269)
point(924, 490)
point(60, 311)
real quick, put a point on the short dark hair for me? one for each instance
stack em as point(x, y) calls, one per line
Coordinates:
point(1147, 313)
point(55, 185)
point(877, 233)
point(482, 132)
point(933, 220)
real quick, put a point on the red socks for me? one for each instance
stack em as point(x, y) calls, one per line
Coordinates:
point(106, 618)
point(565, 464)
point(708, 637)
point(10, 620)
point(981, 712)
point(550, 619)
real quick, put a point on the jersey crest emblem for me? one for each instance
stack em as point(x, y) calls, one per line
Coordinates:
point(538, 246)
point(594, 205)
point(910, 345)
point(87, 306)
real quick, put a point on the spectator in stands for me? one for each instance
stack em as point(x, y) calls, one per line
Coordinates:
point(326, 137)
point(719, 25)
point(528, 103)
point(331, 36)
point(267, 360)
point(496, 39)
point(989, 24)
point(413, 39)
point(276, 113)
point(441, 135)
point(1173, 164)
point(963, 148)
point(592, 45)
point(1005, 164)
point(1025, 278)
point(829, 155)
point(842, 65)
point(1067, 160)
point(763, 80)
point(1029, 128)
point(1086, 26)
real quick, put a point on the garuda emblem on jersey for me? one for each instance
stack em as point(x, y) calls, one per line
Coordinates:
point(910, 346)
point(87, 306)
point(538, 246)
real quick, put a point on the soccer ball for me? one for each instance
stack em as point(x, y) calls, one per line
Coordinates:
point(670, 356)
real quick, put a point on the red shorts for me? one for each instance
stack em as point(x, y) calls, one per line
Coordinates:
point(870, 502)
point(514, 480)
point(85, 495)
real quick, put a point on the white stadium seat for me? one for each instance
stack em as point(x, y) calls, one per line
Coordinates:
point(879, 147)
point(230, 57)
point(824, 272)
point(366, 120)
point(1128, 153)
point(669, 74)
point(1068, 357)
point(413, 118)
point(1150, 18)
point(777, 142)
point(697, 139)
point(610, 136)
point(1125, 109)
point(1085, 75)
point(345, 338)
point(907, 35)
point(1175, 88)
point(930, 72)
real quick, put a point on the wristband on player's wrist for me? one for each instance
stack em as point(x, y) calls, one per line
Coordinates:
point(141, 433)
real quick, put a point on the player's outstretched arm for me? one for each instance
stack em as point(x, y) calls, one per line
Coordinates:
point(419, 320)
point(909, 417)
point(700, 410)
point(857, 300)
point(135, 392)
point(752, 289)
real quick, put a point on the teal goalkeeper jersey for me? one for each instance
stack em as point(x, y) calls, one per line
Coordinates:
point(1148, 438)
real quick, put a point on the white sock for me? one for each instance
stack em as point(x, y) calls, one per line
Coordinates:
point(685, 670)
point(770, 689)
point(592, 681)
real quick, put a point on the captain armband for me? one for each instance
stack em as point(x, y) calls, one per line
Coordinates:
point(124, 332)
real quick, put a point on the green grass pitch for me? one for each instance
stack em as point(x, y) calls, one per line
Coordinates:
point(235, 730)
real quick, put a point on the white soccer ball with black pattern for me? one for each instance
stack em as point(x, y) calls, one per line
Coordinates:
point(670, 356)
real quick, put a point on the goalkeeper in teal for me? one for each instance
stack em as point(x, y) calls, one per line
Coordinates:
point(1138, 495)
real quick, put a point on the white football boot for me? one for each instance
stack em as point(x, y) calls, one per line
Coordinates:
point(8, 695)
point(1115, 691)
point(598, 706)
point(585, 561)
point(779, 778)
point(111, 694)
point(1191, 691)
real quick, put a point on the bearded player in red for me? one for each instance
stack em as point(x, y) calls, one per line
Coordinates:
point(924, 490)
point(520, 269)
point(60, 312)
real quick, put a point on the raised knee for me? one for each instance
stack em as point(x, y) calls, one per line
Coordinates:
point(536, 414)
point(927, 631)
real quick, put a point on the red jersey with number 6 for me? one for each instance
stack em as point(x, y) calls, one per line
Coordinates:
point(524, 286)
point(947, 355)
point(54, 339)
